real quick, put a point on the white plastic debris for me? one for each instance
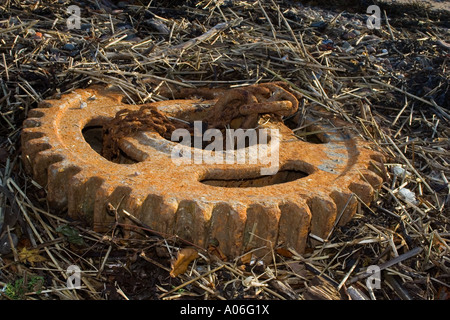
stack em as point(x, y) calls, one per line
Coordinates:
point(399, 171)
point(251, 281)
point(407, 195)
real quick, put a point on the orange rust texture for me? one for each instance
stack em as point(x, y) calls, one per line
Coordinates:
point(176, 199)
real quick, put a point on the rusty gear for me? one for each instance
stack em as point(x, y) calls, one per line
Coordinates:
point(245, 105)
point(316, 187)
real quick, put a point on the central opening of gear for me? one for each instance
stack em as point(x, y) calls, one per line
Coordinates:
point(253, 181)
point(204, 137)
point(93, 135)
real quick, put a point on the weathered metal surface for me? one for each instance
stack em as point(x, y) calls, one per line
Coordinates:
point(231, 203)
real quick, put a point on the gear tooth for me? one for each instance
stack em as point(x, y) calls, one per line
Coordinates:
point(81, 197)
point(159, 213)
point(42, 162)
point(261, 227)
point(294, 224)
point(363, 190)
point(192, 221)
point(133, 206)
point(36, 113)
point(346, 207)
point(32, 123)
point(59, 174)
point(96, 93)
point(37, 144)
point(378, 157)
point(49, 103)
point(29, 134)
point(151, 214)
point(373, 179)
point(111, 92)
point(379, 169)
point(227, 227)
point(70, 100)
point(33, 141)
point(323, 215)
point(108, 197)
point(31, 148)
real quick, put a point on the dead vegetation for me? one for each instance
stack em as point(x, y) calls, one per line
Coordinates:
point(392, 84)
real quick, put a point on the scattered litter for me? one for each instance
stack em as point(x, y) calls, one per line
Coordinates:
point(407, 195)
point(400, 172)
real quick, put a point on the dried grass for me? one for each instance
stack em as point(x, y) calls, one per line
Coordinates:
point(398, 99)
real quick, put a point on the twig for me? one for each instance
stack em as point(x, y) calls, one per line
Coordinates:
point(413, 169)
point(388, 264)
point(191, 281)
point(404, 92)
point(389, 26)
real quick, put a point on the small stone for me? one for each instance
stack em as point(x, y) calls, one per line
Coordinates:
point(326, 44)
point(402, 64)
point(69, 47)
point(371, 49)
point(158, 26)
point(86, 27)
point(5, 245)
point(123, 26)
point(349, 35)
point(131, 37)
point(319, 24)
point(347, 47)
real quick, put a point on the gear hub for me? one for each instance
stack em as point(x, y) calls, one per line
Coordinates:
point(316, 186)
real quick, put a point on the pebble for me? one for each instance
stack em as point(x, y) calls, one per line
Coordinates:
point(371, 49)
point(319, 24)
point(86, 27)
point(123, 26)
point(347, 47)
point(69, 46)
point(401, 64)
point(326, 44)
point(133, 38)
point(14, 21)
point(158, 26)
point(5, 246)
point(351, 34)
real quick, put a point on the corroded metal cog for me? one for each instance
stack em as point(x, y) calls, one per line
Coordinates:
point(317, 185)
